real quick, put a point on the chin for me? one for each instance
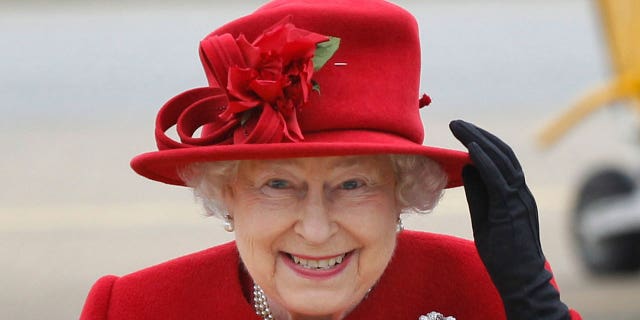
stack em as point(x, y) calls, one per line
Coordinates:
point(326, 305)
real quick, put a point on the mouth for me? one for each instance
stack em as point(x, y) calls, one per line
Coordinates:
point(323, 263)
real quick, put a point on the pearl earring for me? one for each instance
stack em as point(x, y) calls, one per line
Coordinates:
point(228, 223)
point(399, 226)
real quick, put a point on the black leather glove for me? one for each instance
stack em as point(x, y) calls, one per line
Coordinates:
point(504, 218)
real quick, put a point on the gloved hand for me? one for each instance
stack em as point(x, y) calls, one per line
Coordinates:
point(504, 218)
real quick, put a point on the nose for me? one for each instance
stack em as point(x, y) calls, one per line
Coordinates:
point(315, 225)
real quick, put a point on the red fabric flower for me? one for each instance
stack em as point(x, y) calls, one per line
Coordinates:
point(268, 81)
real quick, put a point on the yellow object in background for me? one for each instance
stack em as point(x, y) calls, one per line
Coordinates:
point(621, 24)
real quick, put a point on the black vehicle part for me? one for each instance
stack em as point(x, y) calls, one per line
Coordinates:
point(618, 253)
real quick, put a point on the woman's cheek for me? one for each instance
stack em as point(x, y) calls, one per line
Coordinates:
point(365, 203)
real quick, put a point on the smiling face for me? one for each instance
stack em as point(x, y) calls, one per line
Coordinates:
point(315, 233)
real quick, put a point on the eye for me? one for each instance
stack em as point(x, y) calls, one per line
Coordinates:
point(278, 189)
point(351, 184)
point(278, 184)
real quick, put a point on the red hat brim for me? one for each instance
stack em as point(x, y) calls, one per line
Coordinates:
point(164, 165)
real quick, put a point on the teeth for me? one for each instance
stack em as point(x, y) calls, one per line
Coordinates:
point(318, 264)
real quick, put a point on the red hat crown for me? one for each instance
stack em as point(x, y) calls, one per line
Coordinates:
point(265, 98)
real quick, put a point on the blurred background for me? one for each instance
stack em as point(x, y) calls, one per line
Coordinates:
point(81, 82)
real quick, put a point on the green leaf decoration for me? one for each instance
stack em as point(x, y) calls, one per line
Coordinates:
point(316, 86)
point(324, 52)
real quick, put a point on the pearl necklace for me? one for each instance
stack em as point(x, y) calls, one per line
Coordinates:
point(260, 303)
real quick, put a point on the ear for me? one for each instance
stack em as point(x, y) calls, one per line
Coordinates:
point(228, 197)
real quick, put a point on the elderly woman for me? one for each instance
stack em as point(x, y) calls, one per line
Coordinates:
point(309, 147)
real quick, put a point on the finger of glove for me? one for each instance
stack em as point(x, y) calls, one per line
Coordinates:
point(496, 186)
point(460, 131)
point(477, 198)
point(500, 152)
point(502, 146)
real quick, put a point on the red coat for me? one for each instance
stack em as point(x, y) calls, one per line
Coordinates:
point(428, 272)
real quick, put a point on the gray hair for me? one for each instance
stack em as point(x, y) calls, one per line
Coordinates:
point(420, 183)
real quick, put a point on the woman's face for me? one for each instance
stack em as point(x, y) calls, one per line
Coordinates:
point(315, 233)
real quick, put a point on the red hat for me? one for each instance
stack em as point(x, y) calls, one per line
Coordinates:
point(302, 78)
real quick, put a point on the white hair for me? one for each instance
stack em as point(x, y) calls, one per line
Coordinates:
point(420, 183)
